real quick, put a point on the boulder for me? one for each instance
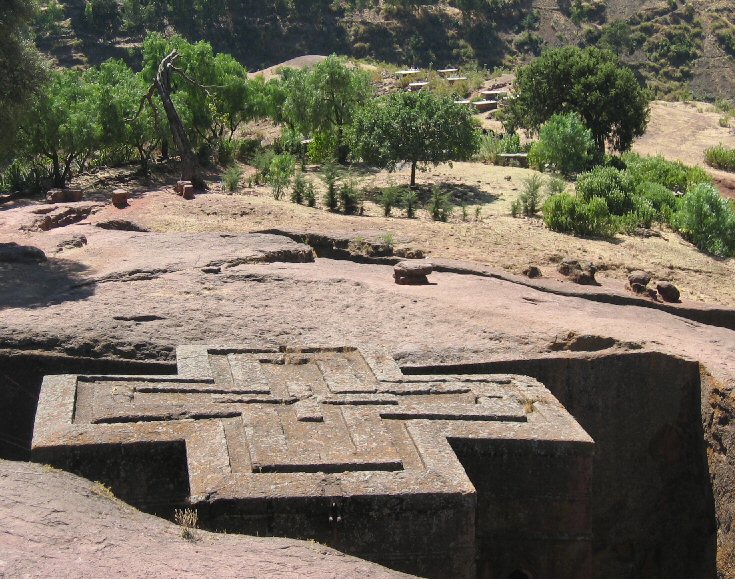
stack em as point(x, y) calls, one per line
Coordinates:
point(412, 272)
point(582, 273)
point(120, 198)
point(55, 196)
point(64, 196)
point(188, 192)
point(121, 225)
point(14, 253)
point(639, 278)
point(668, 291)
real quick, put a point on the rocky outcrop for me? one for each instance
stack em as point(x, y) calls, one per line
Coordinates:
point(57, 525)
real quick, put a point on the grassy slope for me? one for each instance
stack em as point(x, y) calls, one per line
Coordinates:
point(438, 35)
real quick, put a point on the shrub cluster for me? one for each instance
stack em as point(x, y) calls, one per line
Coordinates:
point(720, 157)
point(611, 200)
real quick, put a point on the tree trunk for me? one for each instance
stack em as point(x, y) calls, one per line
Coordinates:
point(189, 163)
point(413, 173)
point(58, 177)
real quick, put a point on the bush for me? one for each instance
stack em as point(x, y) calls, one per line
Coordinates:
point(554, 186)
point(280, 172)
point(329, 176)
point(569, 214)
point(231, 179)
point(262, 163)
point(707, 220)
point(492, 146)
point(389, 197)
point(349, 198)
point(565, 144)
point(720, 157)
point(661, 199)
point(440, 207)
point(300, 185)
point(310, 194)
point(614, 186)
point(530, 197)
point(671, 174)
point(409, 200)
point(246, 149)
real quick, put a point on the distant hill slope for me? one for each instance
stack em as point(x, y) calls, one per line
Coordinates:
point(681, 47)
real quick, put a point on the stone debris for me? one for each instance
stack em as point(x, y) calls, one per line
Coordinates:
point(412, 272)
point(121, 225)
point(668, 291)
point(73, 242)
point(336, 445)
point(64, 196)
point(14, 253)
point(120, 198)
point(582, 273)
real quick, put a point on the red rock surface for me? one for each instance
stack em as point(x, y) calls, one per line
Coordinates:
point(58, 525)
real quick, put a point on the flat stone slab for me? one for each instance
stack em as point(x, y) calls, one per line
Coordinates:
point(336, 445)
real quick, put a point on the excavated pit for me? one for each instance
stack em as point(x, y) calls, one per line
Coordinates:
point(653, 506)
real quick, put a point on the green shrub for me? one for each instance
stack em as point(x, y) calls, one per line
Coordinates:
point(246, 149)
point(565, 144)
point(409, 200)
point(661, 199)
point(614, 186)
point(671, 174)
point(720, 157)
point(349, 198)
point(262, 164)
point(707, 220)
point(330, 177)
point(492, 146)
point(530, 197)
point(280, 172)
point(310, 194)
point(231, 178)
point(569, 214)
point(389, 197)
point(554, 186)
point(298, 192)
point(440, 207)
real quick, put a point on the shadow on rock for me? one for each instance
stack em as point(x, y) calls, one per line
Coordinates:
point(34, 285)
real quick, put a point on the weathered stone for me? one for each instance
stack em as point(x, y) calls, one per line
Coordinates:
point(412, 272)
point(668, 291)
point(582, 273)
point(55, 196)
point(179, 188)
point(14, 253)
point(532, 272)
point(120, 198)
point(337, 445)
point(188, 192)
point(72, 243)
point(408, 253)
point(639, 277)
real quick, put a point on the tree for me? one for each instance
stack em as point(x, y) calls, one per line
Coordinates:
point(418, 128)
point(22, 70)
point(322, 100)
point(590, 82)
point(565, 143)
point(64, 127)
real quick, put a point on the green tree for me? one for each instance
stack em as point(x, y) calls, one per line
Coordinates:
point(65, 127)
point(418, 128)
point(565, 143)
point(321, 100)
point(124, 125)
point(590, 82)
point(22, 69)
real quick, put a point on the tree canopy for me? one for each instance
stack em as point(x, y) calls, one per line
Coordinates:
point(590, 82)
point(418, 128)
point(21, 67)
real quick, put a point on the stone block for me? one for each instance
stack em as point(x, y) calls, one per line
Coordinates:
point(179, 188)
point(337, 445)
point(188, 192)
point(120, 198)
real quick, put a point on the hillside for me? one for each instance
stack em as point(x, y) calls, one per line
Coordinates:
point(681, 48)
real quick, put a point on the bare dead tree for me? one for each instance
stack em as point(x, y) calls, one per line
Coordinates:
point(190, 170)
